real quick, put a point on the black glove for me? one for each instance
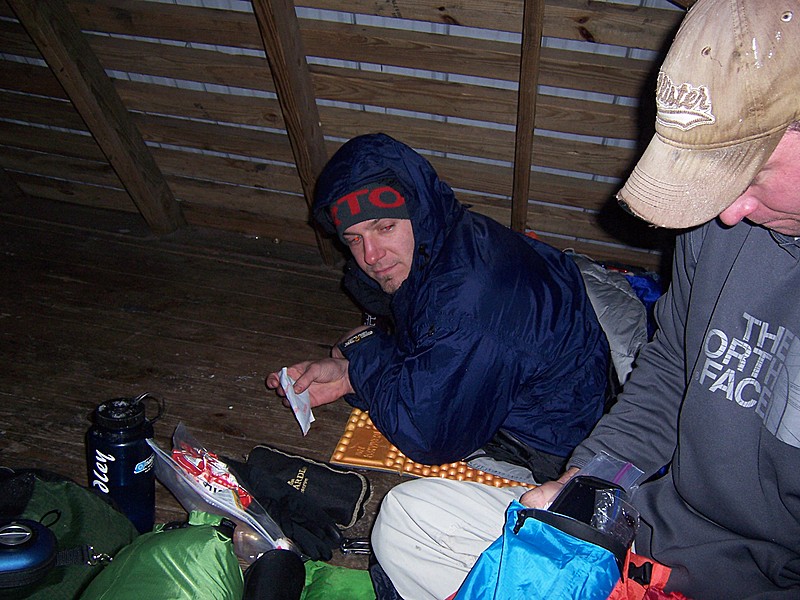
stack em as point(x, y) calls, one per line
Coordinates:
point(299, 518)
point(341, 493)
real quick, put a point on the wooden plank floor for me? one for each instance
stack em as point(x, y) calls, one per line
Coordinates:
point(93, 306)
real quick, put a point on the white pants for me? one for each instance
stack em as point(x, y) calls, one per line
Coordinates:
point(429, 532)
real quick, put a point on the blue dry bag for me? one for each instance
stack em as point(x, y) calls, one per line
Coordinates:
point(534, 559)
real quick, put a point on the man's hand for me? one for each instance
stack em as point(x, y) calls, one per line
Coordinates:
point(542, 496)
point(326, 380)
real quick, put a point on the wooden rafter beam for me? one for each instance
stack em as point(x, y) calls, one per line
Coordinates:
point(9, 190)
point(68, 54)
point(532, 23)
point(280, 32)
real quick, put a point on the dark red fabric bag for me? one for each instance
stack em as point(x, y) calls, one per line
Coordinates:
point(643, 579)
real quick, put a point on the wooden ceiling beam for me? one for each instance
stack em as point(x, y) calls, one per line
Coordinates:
point(68, 54)
point(9, 190)
point(530, 53)
point(280, 32)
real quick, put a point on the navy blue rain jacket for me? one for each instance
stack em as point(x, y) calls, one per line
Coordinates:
point(492, 329)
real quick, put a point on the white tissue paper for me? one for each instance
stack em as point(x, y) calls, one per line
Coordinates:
point(300, 403)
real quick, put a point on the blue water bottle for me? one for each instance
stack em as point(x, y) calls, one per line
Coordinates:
point(119, 459)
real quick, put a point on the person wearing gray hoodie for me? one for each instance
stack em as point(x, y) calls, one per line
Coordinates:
point(715, 397)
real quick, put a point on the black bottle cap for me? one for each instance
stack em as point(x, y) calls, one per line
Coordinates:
point(120, 413)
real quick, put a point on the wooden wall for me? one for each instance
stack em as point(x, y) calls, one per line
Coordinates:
point(197, 87)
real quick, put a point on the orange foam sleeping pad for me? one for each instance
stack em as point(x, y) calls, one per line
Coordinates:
point(363, 446)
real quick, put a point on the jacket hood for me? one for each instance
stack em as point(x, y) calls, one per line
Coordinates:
point(374, 158)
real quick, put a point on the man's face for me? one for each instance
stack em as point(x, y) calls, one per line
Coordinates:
point(384, 249)
point(773, 198)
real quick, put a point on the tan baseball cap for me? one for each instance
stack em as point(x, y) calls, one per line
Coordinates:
point(728, 89)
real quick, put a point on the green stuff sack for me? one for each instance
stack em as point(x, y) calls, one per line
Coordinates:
point(193, 560)
point(329, 582)
point(77, 517)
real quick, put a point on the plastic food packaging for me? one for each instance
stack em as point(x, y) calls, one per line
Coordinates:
point(609, 468)
point(300, 403)
point(201, 481)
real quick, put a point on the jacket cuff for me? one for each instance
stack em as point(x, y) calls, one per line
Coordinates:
point(348, 345)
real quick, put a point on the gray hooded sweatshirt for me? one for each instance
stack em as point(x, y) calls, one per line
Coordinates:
point(716, 395)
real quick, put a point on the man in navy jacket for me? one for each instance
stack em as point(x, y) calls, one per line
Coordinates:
point(489, 329)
